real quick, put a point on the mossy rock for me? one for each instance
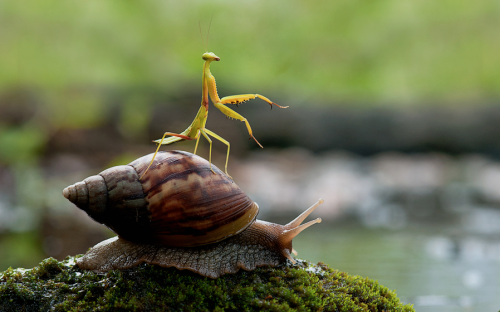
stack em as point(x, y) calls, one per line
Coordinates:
point(62, 286)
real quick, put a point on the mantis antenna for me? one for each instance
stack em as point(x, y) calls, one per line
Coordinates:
point(208, 32)
point(201, 34)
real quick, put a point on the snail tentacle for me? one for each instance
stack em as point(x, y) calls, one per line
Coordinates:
point(293, 228)
point(297, 221)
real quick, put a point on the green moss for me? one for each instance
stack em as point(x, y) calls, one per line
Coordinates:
point(62, 286)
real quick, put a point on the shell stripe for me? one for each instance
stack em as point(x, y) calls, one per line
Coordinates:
point(195, 226)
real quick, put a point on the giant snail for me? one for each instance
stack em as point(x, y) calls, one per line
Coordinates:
point(182, 213)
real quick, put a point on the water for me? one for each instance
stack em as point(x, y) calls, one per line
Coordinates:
point(434, 272)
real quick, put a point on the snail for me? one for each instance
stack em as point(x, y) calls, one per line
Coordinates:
point(180, 214)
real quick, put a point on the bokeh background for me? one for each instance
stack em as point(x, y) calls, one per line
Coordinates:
point(393, 120)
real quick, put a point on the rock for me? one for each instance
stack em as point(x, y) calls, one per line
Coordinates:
point(62, 286)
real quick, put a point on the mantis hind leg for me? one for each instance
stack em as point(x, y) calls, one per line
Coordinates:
point(223, 141)
point(232, 114)
point(175, 137)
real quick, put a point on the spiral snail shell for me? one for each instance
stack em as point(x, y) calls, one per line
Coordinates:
point(180, 214)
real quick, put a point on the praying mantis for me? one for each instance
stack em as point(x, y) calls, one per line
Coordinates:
point(197, 127)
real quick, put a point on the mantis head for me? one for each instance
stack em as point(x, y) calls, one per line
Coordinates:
point(210, 56)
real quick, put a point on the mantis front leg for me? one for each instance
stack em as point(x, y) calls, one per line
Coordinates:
point(238, 99)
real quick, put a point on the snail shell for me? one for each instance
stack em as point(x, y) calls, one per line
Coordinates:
point(178, 202)
point(181, 214)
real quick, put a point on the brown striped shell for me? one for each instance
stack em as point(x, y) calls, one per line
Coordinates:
point(179, 201)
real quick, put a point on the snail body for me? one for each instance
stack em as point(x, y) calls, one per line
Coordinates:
point(180, 214)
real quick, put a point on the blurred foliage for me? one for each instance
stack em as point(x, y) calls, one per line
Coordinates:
point(335, 51)
point(23, 142)
point(135, 116)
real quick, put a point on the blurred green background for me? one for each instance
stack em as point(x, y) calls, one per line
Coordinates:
point(88, 84)
point(78, 65)
point(397, 52)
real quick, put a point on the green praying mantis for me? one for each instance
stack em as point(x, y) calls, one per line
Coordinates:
point(197, 127)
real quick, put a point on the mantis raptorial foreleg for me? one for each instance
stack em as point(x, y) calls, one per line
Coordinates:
point(238, 99)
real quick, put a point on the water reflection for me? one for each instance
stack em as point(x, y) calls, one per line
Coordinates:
point(441, 302)
point(430, 270)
